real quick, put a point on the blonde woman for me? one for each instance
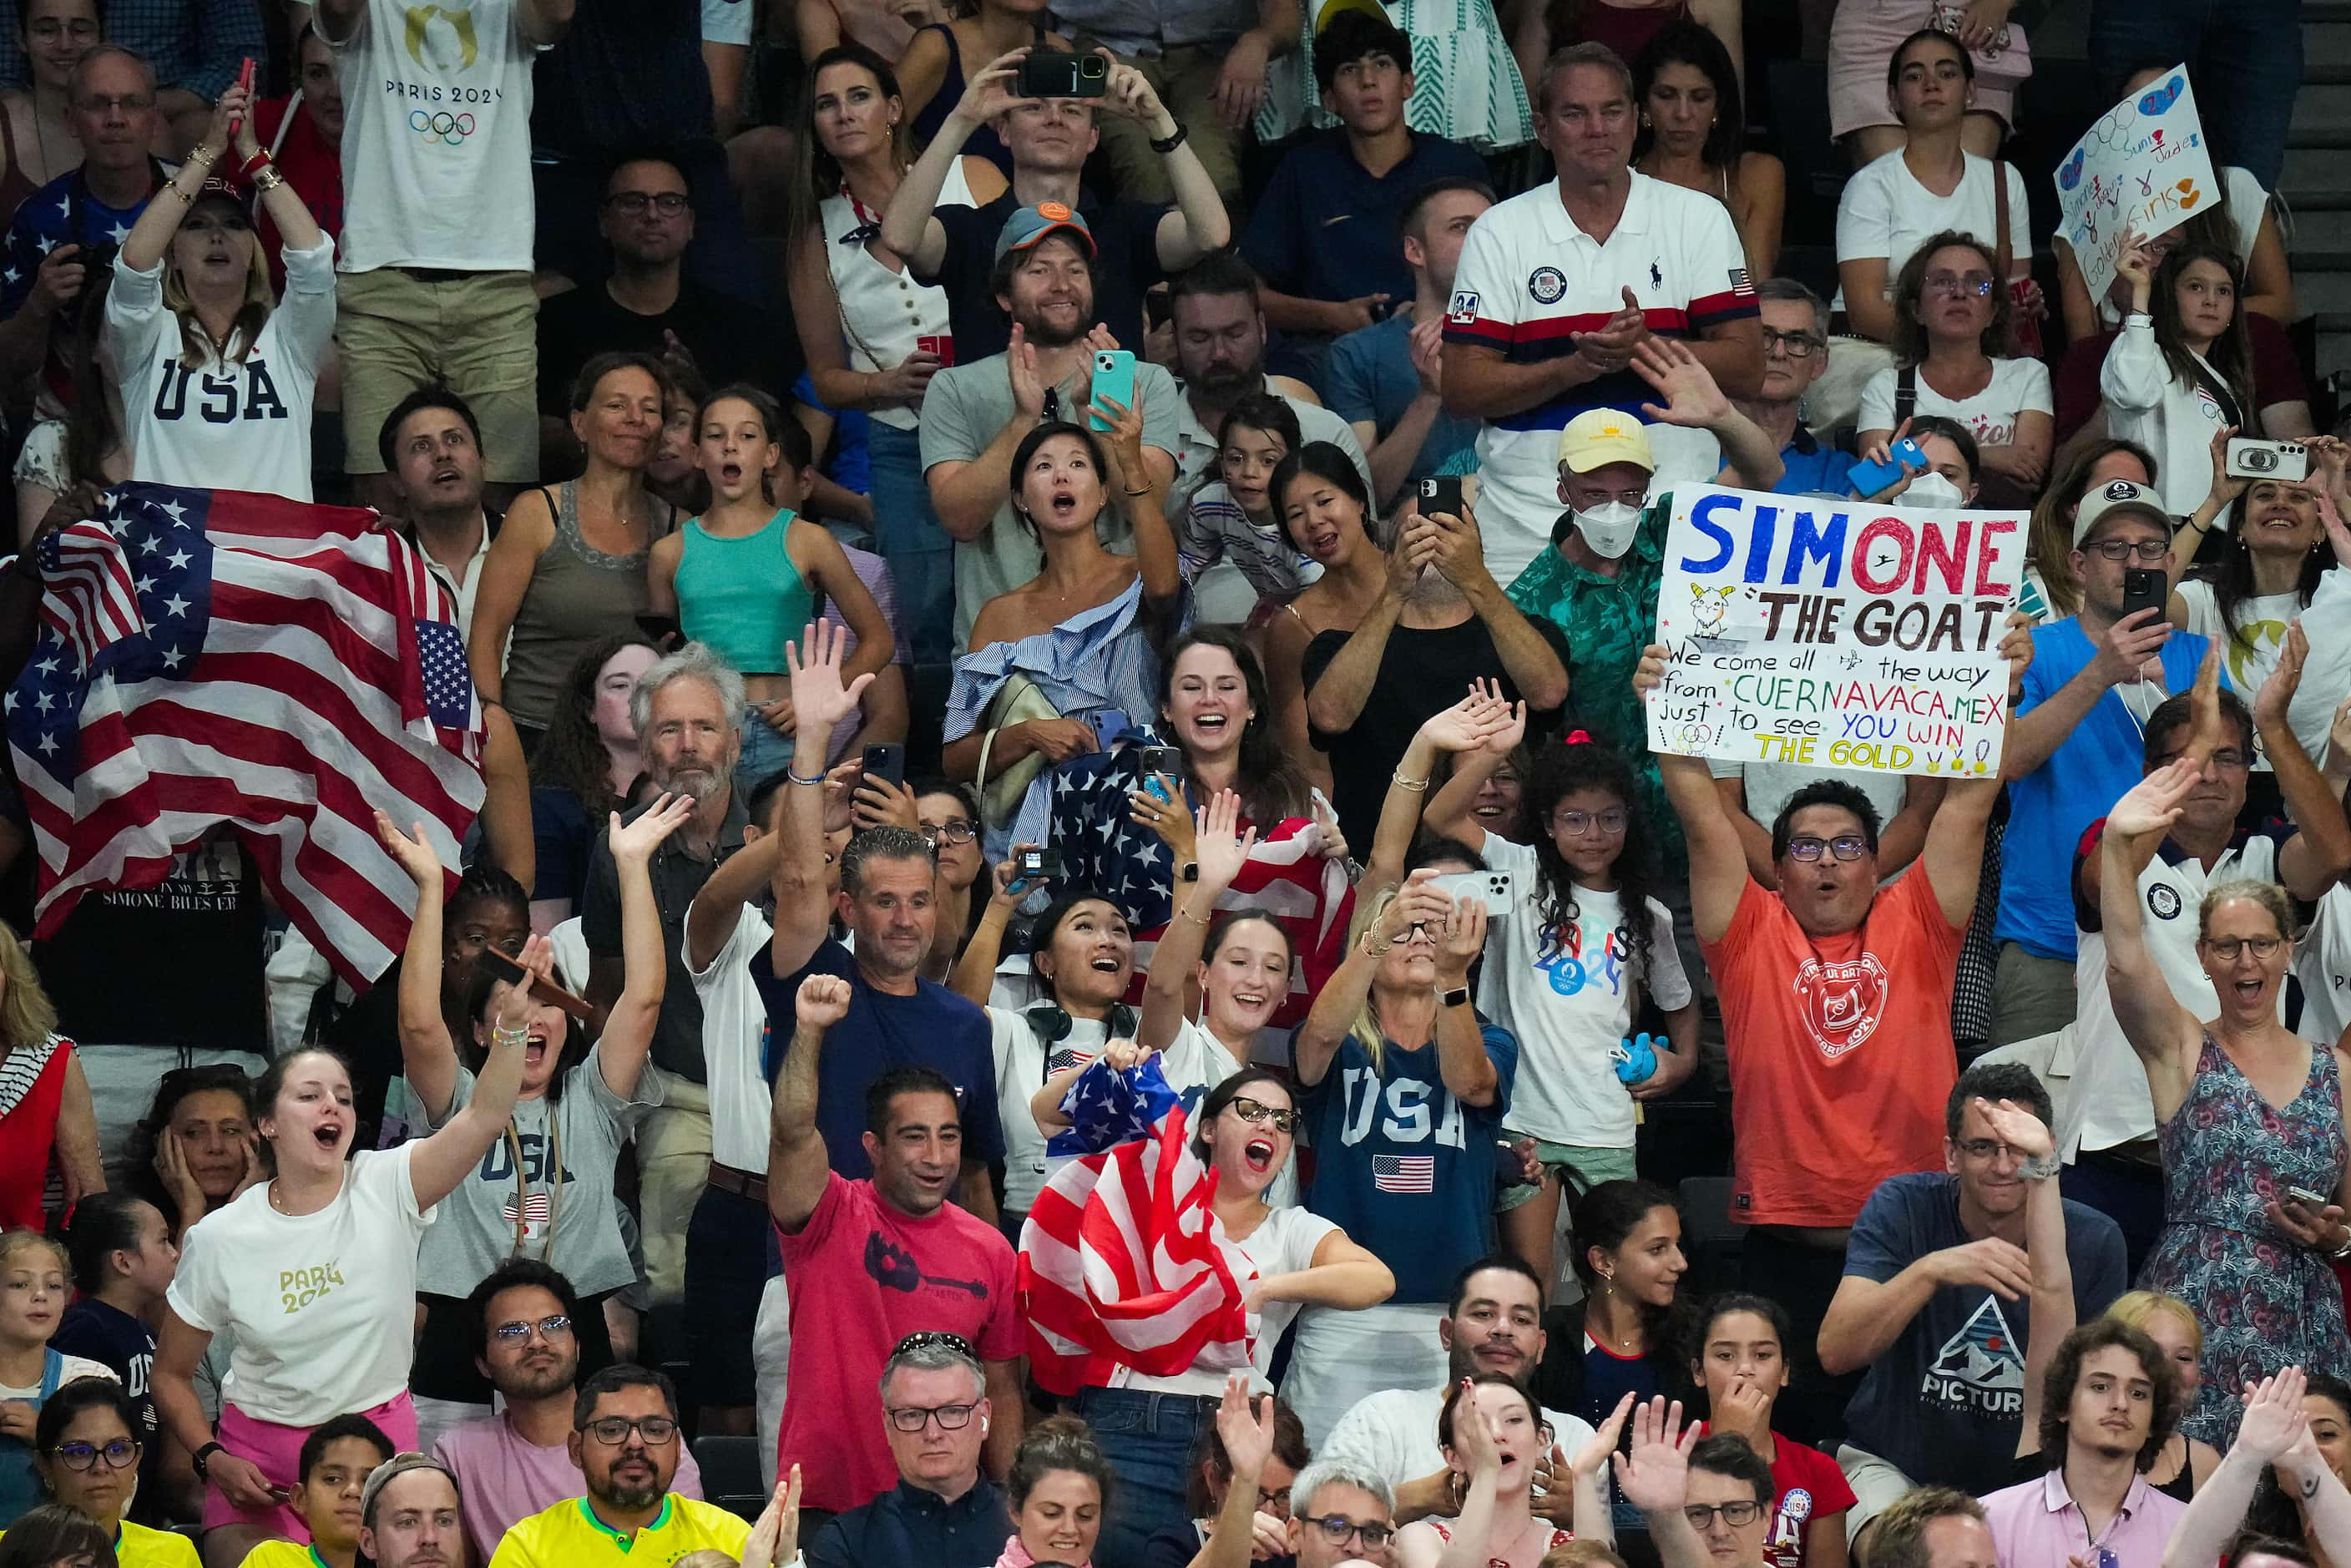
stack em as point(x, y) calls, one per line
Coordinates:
point(1403, 1090)
point(2184, 1462)
point(218, 376)
point(44, 1105)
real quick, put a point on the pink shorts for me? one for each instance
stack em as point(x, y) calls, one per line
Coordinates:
point(278, 1452)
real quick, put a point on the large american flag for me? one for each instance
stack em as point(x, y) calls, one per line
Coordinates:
point(1122, 1259)
point(1286, 874)
point(210, 659)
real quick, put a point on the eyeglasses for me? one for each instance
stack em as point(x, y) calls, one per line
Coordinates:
point(959, 830)
point(519, 1330)
point(2148, 551)
point(632, 203)
point(1958, 286)
point(1273, 1502)
point(118, 1455)
point(2226, 948)
point(914, 1418)
point(1735, 1514)
point(1985, 1150)
point(1575, 824)
point(613, 1430)
point(1845, 846)
point(1796, 345)
point(128, 102)
point(1337, 1526)
point(1253, 1113)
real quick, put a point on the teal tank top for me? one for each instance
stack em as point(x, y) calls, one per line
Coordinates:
point(743, 598)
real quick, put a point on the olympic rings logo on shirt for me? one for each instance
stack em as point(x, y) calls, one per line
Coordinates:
point(441, 126)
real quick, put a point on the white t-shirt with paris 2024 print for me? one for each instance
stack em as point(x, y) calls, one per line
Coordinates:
point(1569, 1001)
point(436, 137)
point(322, 1306)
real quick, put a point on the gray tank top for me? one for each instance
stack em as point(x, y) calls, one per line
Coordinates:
point(577, 594)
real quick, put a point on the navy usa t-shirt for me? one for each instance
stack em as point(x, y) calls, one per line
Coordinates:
point(1946, 1401)
point(1402, 1165)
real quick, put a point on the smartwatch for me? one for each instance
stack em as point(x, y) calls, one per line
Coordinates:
point(1188, 872)
point(202, 1458)
point(1458, 996)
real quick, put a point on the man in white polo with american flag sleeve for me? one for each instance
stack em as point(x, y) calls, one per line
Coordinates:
point(1556, 285)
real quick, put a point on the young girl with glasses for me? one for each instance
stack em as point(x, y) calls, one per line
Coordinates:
point(1585, 948)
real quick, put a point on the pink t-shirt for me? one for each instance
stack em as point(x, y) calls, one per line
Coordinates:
point(861, 1276)
point(503, 1478)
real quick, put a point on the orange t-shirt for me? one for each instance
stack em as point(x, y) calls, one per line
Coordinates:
point(1841, 1054)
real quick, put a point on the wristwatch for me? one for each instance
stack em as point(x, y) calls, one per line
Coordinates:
point(203, 1458)
point(1172, 141)
point(1458, 996)
point(1188, 872)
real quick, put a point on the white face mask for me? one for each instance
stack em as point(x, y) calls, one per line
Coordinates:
point(1609, 527)
point(1931, 489)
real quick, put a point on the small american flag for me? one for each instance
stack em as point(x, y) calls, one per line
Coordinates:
point(1404, 1173)
point(212, 659)
point(535, 1209)
point(1742, 286)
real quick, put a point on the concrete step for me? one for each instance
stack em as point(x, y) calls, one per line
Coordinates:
point(2320, 228)
point(2323, 291)
point(2322, 102)
point(2326, 43)
point(2321, 133)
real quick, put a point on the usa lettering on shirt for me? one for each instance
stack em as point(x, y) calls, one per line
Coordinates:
point(1405, 1103)
point(223, 395)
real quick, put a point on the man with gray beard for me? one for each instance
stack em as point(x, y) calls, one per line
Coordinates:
point(687, 710)
point(1441, 624)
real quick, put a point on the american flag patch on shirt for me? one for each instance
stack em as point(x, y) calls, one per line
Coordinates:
point(1404, 1173)
point(1742, 284)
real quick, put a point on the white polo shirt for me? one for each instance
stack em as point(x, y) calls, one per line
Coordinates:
point(2110, 1103)
point(1529, 279)
point(2322, 962)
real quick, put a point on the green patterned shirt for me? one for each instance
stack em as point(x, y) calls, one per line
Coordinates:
point(1607, 621)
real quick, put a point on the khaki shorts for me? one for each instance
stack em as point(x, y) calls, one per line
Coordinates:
point(478, 332)
point(1579, 1168)
point(1875, 1484)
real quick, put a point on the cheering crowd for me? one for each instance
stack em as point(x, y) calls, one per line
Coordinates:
point(1073, 951)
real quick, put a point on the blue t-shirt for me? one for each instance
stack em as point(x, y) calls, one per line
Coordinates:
point(933, 1028)
point(62, 212)
point(1946, 1401)
point(1402, 1165)
point(1814, 469)
point(1368, 375)
point(2050, 808)
point(852, 467)
point(1326, 227)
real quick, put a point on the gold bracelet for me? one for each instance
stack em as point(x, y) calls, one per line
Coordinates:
point(268, 178)
point(1380, 951)
point(201, 158)
point(1401, 782)
point(185, 199)
point(1195, 919)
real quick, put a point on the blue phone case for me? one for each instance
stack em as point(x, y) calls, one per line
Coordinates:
point(1114, 379)
point(1869, 478)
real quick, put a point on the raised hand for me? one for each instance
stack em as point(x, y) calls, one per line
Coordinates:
point(1693, 399)
point(1167, 818)
point(1593, 1458)
point(822, 1001)
point(877, 801)
point(1020, 369)
point(2274, 1420)
point(2017, 1127)
point(2226, 486)
point(416, 855)
point(776, 1533)
point(1655, 1477)
point(1456, 552)
point(1129, 95)
point(2338, 538)
point(1467, 724)
point(537, 960)
point(1217, 847)
point(633, 842)
point(1334, 842)
point(1124, 440)
point(2152, 805)
point(2269, 704)
point(1473, 1435)
point(1247, 1434)
point(820, 701)
point(2124, 651)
